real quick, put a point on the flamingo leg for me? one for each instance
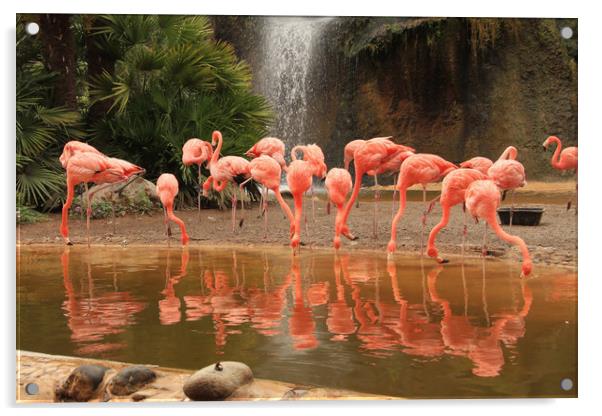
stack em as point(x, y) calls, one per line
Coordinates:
point(376, 198)
point(242, 207)
point(113, 214)
point(423, 222)
point(511, 207)
point(465, 228)
point(313, 203)
point(265, 217)
point(394, 195)
point(88, 214)
point(234, 202)
point(484, 248)
point(199, 194)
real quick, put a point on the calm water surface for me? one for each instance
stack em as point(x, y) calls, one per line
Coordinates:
point(357, 321)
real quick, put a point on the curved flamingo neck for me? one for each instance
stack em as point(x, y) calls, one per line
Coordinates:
point(512, 239)
point(284, 205)
point(218, 149)
point(294, 151)
point(509, 153)
point(356, 191)
point(556, 156)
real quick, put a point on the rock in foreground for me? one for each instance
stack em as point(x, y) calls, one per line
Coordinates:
point(217, 381)
point(81, 384)
point(131, 379)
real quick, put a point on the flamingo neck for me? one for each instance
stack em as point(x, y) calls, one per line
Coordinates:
point(218, 149)
point(356, 191)
point(556, 156)
point(512, 239)
point(284, 205)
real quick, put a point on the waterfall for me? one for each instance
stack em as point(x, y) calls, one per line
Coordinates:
point(290, 46)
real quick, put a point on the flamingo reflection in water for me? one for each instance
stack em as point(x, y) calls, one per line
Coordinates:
point(94, 317)
point(301, 324)
point(169, 307)
point(482, 345)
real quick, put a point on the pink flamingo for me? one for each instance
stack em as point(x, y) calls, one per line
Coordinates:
point(267, 171)
point(508, 174)
point(129, 170)
point(482, 201)
point(368, 158)
point(563, 159)
point(269, 146)
point(420, 168)
point(482, 164)
point(197, 152)
point(167, 189)
point(223, 170)
point(338, 185)
point(83, 168)
point(299, 178)
point(452, 193)
point(315, 157)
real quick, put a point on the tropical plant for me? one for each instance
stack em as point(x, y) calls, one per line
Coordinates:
point(41, 129)
point(172, 81)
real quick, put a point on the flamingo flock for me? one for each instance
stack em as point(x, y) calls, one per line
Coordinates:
point(479, 184)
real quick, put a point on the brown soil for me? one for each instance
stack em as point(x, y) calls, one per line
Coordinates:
point(554, 241)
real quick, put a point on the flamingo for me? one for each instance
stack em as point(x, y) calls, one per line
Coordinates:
point(197, 152)
point(83, 168)
point(269, 146)
point(368, 158)
point(267, 171)
point(167, 189)
point(420, 168)
point(563, 159)
point(223, 170)
point(338, 185)
point(348, 152)
point(315, 157)
point(508, 174)
point(452, 193)
point(299, 178)
point(482, 164)
point(482, 201)
point(130, 170)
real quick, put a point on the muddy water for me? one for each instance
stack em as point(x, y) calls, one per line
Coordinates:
point(405, 327)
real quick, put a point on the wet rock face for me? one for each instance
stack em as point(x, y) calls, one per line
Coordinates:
point(81, 384)
point(130, 379)
point(217, 381)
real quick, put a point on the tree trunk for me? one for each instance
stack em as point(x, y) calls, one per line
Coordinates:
point(99, 60)
point(58, 48)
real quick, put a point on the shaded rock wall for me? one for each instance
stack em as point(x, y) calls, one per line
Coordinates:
point(458, 87)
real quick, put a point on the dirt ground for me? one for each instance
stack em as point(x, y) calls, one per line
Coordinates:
point(554, 241)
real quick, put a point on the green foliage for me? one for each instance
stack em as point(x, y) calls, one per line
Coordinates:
point(41, 129)
point(173, 81)
point(27, 215)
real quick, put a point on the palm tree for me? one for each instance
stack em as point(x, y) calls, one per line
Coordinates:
point(41, 128)
point(173, 81)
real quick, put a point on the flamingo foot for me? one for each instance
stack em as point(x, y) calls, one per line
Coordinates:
point(169, 230)
point(241, 222)
point(68, 242)
point(441, 260)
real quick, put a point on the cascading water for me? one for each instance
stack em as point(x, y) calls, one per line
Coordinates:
point(290, 47)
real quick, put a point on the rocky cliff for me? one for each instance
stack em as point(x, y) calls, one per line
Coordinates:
point(458, 87)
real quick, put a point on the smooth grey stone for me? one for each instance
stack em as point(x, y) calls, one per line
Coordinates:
point(130, 379)
point(81, 384)
point(217, 381)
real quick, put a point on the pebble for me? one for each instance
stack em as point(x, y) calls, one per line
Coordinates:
point(217, 381)
point(130, 379)
point(81, 384)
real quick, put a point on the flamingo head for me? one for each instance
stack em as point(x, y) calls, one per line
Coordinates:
point(337, 242)
point(215, 137)
point(206, 186)
point(549, 140)
point(432, 252)
point(391, 247)
point(295, 241)
point(526, 268)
